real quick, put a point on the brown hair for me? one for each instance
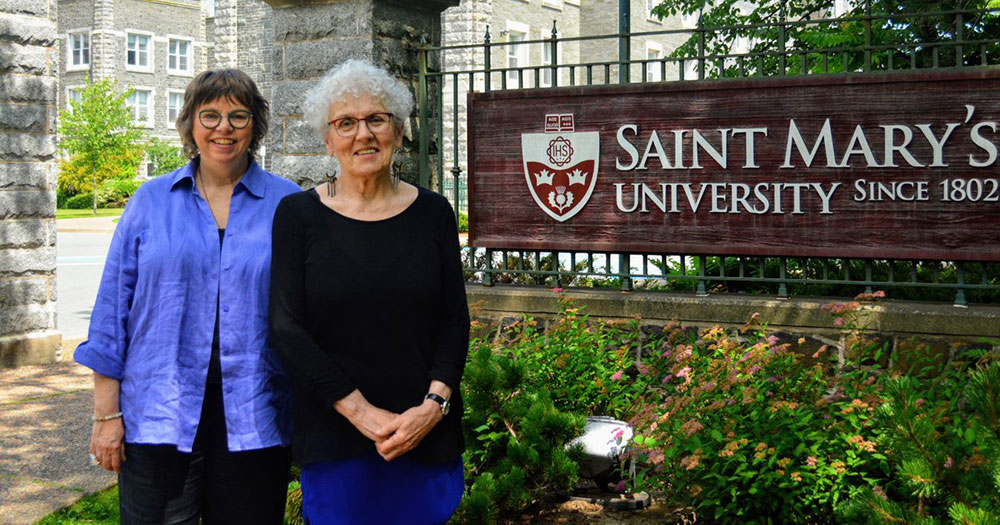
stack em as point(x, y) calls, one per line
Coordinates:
point(222, 83)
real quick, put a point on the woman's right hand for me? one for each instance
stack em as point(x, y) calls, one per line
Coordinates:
point(366, 417)
point(107, 444)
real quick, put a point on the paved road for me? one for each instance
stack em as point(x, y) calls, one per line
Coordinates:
point(80, 251)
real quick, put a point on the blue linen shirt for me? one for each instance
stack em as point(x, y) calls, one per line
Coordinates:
point(154, 319)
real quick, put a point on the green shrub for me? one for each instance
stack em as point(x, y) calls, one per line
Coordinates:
point(463, 222)
point(80, 201)
point(163, 156)
point(515, 440)
point(943, 431)
point(115, 193)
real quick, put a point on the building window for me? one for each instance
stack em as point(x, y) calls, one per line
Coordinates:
point(547, 59)
point(140, 104)
point(138, 52)
point(79, 51)
point(517, 55)
point(179, 56)
point(841, 8)
point(654, 68)
point(175, 101)
point(73, 94)
point(650, 4)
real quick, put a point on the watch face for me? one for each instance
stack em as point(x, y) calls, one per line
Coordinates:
point(445, 407)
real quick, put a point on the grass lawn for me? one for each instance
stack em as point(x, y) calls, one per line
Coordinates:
point(96, 509)
point(89, 212)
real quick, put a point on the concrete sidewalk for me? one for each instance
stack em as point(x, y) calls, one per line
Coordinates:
point(44, 434)
point(87, 225)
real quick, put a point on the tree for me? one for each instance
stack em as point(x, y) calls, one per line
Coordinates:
point(98, 135)
point(163, 156)
point(755, 38)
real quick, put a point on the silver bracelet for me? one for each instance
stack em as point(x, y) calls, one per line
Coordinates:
point(116, 415)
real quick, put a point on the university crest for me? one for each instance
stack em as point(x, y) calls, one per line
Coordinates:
point(560, 166)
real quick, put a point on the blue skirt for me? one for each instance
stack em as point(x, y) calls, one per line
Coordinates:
point(369, 490)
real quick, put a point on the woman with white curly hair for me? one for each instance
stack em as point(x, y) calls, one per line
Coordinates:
point(369, 316)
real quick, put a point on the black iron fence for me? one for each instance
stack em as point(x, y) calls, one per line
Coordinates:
point(861, 41)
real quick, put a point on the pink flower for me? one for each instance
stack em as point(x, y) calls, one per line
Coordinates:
point(838, 322)
point(616, 376)
point(620, 487)
point(642, 369)
point(948, 463)
point(811, 461)
point(879, 492)
point(668, 378)
point(557, 289)
point(684, 371)
point(772, 340)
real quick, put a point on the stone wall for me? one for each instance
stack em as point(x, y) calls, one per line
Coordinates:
point(905, 326)
point(28, 88)
point(309, 39)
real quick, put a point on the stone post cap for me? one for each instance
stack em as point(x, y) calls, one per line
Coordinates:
point(423, 5)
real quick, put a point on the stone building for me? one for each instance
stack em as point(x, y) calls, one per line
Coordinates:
point(153, 47)
point(28, 86)
point(511, 22)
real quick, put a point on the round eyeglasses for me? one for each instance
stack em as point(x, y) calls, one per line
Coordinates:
point(239, 119)
point(348, 126)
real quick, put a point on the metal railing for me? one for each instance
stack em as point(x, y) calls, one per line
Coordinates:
point(777, 48)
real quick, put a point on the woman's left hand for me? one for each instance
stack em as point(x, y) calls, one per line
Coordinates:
point(405, 432)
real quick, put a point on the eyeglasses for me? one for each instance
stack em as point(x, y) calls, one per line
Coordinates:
point(348, 126)
point(238, 119)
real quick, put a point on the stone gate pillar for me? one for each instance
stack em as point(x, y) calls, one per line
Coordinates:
point(28, 87)
point(312, 36)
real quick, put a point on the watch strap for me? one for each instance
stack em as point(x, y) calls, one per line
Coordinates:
point(441, 400)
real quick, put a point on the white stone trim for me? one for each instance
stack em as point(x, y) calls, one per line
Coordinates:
point(150, 120)
point(553, 4)
point(69, 50)
point(189, 72)
point(150, 52)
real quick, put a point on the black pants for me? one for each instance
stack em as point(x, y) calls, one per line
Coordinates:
point(160, 485)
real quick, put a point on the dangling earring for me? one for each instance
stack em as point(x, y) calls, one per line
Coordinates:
point(331, 184)
point(396, 167)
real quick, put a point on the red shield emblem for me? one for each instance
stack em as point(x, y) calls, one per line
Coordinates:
point(561, 170)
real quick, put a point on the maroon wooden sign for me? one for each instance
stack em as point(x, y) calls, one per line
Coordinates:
point(880, 166)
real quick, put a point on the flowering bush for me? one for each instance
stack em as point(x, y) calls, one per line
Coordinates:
point(743, 429)
point(590, 367)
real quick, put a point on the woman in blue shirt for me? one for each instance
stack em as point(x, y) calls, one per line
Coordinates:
point(191, 407)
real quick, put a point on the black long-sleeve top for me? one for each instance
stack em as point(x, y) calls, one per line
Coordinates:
point(377, 306)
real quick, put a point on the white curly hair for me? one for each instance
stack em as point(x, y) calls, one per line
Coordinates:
point(357, 78)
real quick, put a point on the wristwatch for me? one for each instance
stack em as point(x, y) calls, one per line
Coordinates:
point(445, 404)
